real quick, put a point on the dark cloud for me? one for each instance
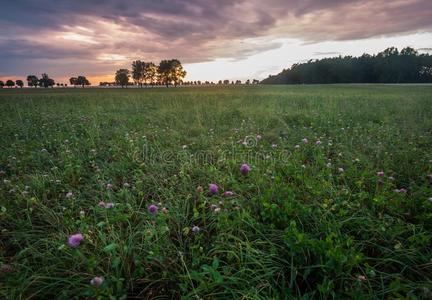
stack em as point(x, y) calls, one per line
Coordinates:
point(81, 32)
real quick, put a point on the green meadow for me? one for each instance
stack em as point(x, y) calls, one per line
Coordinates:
point(337, 203)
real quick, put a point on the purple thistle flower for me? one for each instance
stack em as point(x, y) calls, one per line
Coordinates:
point(153, 209)
point(380, 173)
point(75, 240)
point(213, 188)
point(228, 194)
point(244, 169)
point(97, 281)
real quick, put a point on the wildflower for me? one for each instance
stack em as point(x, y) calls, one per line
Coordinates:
point(126, 185)
point(258, 137)
point(380, 173)
point(165, 210)
point(184, 146)
point(228, 194)
point(244, 169)
point(217, 209)
point(69, 195)
point(361, 278)
point(199, 189)
point(195, 229)
point(213, 188)
point(430, 199)
point(329, 165)
point(274, 146)
point(109, 186)
point(75, 240)
point(297, 146)
point(318, 143)
point(5, 268)
point(305, 140)
point(101, 204)
point(153, 209)
point(401, 190)
point(109, 205)
point(341, 170)
point(97, 281)
point(82, 213)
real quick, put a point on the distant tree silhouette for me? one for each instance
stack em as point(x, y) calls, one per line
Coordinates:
point(138, 72)
point(122, 77)
point(82, 81)
point(388, 66)
point(1, 84)
point(73, 81)
point(10, 83)
point(45, 81)
point(226, 81)
point(171, 72)
point(150, 73)
point(19, 83)
point(32, 80)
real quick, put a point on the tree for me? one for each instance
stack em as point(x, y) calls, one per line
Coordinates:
point(19, 83)
point(10, 83)
point(32, 80)
point(171, 71)
point(138, 72)
point(388, 66)
point(82, 81)
point(45, 81)
point(73, 81)
point(150, 73)
point(122, 77)
point(1, 84)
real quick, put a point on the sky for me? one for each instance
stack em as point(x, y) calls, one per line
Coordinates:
point(214, 39)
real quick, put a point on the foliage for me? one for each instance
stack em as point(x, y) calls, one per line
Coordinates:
point(388, 66)
point(171, 72)
point(32, 81)
point(19, 83)
point(122, 77)
point(45, 81)
point(337, 204)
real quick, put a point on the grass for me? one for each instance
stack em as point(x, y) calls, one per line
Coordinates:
point(311, 222)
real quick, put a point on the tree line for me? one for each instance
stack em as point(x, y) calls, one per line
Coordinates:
point(168, 72)
point(388, 66)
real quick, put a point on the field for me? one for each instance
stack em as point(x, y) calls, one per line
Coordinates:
point(337, 202)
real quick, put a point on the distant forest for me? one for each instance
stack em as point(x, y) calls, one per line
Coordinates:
point(388, 66)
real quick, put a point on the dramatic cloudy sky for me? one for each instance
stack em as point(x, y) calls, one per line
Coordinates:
point(215, 39)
